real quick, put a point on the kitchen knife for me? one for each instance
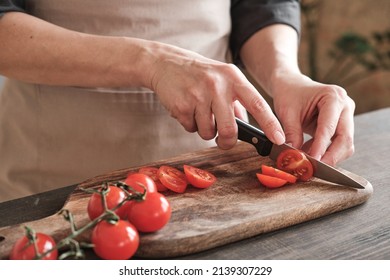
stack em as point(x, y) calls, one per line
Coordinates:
point(256, 137)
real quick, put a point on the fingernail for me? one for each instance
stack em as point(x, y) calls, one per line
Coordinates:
point(279, 138)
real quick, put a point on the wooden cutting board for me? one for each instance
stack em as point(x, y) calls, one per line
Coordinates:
point(235, 208)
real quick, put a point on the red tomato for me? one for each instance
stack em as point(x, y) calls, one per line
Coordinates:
point(139, 181)
point(296, 163)
point(270, 181)
point(23, 249)
point(151, 214)
point(270, 171)
point(118, 241)
point(172, 178)
point(114, 196)
point(152, 173)
point(199, 178)
point(136, 181)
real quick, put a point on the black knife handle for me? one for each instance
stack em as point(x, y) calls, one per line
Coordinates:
point(254, 136)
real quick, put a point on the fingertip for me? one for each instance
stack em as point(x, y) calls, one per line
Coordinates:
point(225, 144)
point(278, 137)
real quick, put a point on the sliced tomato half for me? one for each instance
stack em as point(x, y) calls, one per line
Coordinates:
point(152, 172)
point(199, 178)
point(270, 181)
point(172, 178)
point(274, 172)
point(295, 162)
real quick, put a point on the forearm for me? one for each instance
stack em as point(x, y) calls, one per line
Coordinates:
point(36, 51)
point(270, 53)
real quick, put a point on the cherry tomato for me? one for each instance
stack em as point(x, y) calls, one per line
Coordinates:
point(152, 172)
point(23, 249)
point(199, 178)
point(139, 181)
point(118, 241)
point(296, 163)
point(274, 172)
point(151, 214)
point(270, 181)
point(172, 178)
point(114, 196)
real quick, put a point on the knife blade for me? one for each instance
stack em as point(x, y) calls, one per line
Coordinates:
point(252, 135)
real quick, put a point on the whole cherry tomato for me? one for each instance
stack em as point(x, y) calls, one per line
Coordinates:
point(151, 214)
point(24, 249)
point(114, 196)
point(139, 181)
point(296, 163)
point(115, 241)
point(199, 178)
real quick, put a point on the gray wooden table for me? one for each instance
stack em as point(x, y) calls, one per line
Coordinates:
point(362, 232)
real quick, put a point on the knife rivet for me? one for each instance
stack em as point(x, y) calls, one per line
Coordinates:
point(255, 140)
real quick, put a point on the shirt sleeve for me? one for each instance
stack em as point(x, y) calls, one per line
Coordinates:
point(249, 16)
point(11, 6)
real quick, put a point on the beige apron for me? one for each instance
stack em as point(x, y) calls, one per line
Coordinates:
point(56, 136)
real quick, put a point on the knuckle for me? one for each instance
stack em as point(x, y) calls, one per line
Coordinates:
point(349, 143)
point(258, 105)
point(182, 108)
point(332, 160)
point(231, 69)
point(329, 128)
point(339, 95)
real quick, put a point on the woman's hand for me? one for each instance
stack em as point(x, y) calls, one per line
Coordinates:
point(205, 95)
point(302, 105)
point(323, 111)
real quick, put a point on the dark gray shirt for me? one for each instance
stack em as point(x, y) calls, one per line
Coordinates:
point(248, 16)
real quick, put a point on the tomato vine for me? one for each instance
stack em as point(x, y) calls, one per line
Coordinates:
point(72, 248)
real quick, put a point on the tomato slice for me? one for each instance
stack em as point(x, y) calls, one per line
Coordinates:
point(199, 178)
point(295, 162)
point(274, 172)
point(270, 181)
point(172, 178)
point(152, 172)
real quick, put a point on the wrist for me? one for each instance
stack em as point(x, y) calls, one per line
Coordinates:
point(281, 76)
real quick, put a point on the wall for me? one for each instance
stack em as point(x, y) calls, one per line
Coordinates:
point(363, 17)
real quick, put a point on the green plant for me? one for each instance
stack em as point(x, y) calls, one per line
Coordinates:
point(354, 56)
point(351, 51)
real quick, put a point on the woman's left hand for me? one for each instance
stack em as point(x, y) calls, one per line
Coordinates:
point(323, 111)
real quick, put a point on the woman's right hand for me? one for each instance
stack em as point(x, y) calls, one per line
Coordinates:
point(204, 94)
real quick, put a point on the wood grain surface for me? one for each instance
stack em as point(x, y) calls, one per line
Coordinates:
point(235, 208)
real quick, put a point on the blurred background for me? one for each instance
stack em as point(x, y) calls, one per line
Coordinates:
point(347, 43)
